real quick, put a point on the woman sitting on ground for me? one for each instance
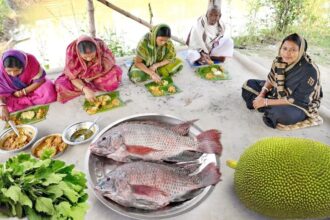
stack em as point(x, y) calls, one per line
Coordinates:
point(155, 57)
point(208, 39)
point(23, 83)
point(90, 67)
point(292, 91)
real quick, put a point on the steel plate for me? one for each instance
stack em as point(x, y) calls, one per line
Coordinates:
point(97, 167)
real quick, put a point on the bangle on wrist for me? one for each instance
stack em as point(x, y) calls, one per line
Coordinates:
point(82, 88)
point(265, 88)
point(266, 102)
point(24, 91)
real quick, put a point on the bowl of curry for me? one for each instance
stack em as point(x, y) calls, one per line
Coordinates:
point(10, 142)
point(52, 143)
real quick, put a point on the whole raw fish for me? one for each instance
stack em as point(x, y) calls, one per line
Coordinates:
point(153, 141)
point(151, 186)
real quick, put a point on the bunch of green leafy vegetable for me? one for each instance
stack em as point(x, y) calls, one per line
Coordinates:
point(42, 189)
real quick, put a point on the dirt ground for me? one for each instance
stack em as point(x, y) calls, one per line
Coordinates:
point(216, 105)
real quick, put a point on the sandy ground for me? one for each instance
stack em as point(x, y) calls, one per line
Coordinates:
point(216, 104)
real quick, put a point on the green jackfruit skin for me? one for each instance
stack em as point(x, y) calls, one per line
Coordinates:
point(285, 178)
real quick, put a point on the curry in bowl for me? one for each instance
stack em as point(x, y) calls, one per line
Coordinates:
point(52, 143)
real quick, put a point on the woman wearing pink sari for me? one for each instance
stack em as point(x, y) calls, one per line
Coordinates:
point(23, 83)
point(90, 67)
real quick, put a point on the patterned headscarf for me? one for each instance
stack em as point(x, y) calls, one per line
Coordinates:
point(280, 67)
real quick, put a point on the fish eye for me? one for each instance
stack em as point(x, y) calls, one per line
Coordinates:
point(108, 178)
point(104, 138)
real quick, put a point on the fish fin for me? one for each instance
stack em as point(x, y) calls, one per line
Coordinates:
point(183, 128)
point(210, 175)
point(139, 150)
point(147, 190)
point(209, 142)
point(189, 195)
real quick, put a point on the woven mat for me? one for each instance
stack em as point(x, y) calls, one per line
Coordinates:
point(309, 122)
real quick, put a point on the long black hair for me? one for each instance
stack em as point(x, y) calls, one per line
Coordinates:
point(86, 47)
point(296, 39)
point(12, 62)
point(164, 32)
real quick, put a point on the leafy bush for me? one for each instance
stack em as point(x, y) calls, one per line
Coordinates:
point(42, 189)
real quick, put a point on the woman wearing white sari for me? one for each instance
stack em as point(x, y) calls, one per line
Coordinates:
point(207, 39)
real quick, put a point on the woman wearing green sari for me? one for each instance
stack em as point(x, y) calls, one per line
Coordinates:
point(155, 56)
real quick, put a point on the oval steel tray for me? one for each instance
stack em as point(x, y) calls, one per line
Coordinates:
point(97, 167)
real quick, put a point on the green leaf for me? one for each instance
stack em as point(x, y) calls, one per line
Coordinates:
point(47, 153)
point(76, 178)
point(45, 205)
point(68, 192)
point(55, 191)
point(78, 212)
point(25, 200)
point(42, 173)
point(53, 179)
point(63, 209)
point(33, 215)
point(56, 165)
point(13, 193)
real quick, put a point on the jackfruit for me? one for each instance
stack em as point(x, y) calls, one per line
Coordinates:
point(285, 178)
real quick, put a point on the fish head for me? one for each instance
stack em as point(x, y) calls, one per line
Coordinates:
point(115, 186)
point(108, 143)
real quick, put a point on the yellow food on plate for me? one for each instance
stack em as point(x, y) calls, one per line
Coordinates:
point(213, 69)
point(164, 82)
point(92, 110)
point(41, 113)
point(221, 68)
point(28, 115)
point(54, 141)
point(171, 89)
point(13, 142)
point(209, 76)
point(115, 102)
point(156, 91)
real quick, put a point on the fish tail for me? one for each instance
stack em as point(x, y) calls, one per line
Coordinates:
point(210, 175)
point(209, 142)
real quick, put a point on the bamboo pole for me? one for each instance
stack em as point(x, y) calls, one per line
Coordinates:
point(90, 8)
point(141, 21)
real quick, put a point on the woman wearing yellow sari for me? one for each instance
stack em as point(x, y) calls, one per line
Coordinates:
point(155, 56)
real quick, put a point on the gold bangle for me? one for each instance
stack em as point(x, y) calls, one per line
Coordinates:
point(24, 91)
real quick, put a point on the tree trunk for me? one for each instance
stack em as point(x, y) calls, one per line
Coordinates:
point(215, 2)
point(90, 8)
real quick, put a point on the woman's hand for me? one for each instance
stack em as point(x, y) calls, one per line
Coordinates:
point(259, 102)
point(153, 67)
point(4, 113)
point(155, 77)
point(19, 93)
point(89, 94)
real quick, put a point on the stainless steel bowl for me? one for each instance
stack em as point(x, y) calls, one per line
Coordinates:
point(31, 131)
point(71, 129)
point(38, 142)
point(97, 167)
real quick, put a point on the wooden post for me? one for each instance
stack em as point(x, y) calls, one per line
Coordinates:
point(90, 9)
point(143, 22)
